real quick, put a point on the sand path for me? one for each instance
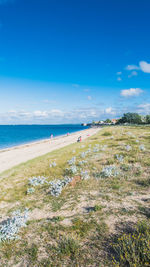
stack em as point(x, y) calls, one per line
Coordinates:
point(19, 154)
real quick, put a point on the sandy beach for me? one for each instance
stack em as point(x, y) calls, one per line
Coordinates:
point(14, 156)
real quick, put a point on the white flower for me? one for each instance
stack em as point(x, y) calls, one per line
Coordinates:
point(53, 164)
point(72, 161)
point(58, 185)
point(142, 147)
point(128, 148)
point(85, 175)
point(30, 190)
point(119, 158)
point(10, 227)
point(109, 171)
point(35, 181)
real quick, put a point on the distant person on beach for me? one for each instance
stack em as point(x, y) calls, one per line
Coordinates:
point(67, 134)
point(51, 136)
point(79, 139)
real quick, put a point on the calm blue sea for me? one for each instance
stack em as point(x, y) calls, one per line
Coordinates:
point(13, 135)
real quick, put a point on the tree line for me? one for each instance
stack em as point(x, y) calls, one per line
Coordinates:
point(134, 118)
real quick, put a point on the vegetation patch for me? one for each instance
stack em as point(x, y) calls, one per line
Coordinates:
point(133, 249)
point(79, 198)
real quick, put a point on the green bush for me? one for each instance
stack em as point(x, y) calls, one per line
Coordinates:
point(69, 247)
point(133, 250)
point(32, 252)
point(106, 134)
point(81, 227)
point(143, 182)
point(97, 208)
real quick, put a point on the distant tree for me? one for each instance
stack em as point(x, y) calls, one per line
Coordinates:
point(148, 119)
point(131, 118)
point(108, 121)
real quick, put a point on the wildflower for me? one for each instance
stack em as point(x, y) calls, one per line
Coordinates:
point(85, 175)
point(142, 147)
point(109, 171)
point(83, 155)
point(128, 148)
point(96, 149)
point(35, 181)
point(119, 158)
point(72, 161)
point(72, 170)
point(10, 227)
point(103, 147)
point(82, 162)
point(58, 185)
point(30, 190)
point(53, 164)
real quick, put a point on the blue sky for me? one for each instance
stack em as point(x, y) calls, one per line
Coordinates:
point(71, 61)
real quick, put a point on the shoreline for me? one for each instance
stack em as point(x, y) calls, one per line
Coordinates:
point(38, 141)
point(13, 156)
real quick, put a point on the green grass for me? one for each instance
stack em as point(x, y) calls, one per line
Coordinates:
point(32, 253)
point(106, 134)
point(68, 246)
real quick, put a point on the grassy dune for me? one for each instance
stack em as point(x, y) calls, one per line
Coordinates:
point(100, 221)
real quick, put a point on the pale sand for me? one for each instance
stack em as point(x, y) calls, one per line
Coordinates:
point(14, 156)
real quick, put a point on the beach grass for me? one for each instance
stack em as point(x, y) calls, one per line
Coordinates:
point(84, 224)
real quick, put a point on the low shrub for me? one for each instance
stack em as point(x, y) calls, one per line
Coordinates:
point(68, 247)
point(143, 182)
point(134, 249)
point(106, 134)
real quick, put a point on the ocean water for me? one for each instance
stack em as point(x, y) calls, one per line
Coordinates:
point(13, 135)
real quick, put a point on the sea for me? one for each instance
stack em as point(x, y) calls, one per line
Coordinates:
point(14, 135)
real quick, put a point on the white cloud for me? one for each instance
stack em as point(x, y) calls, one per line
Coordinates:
point(110, 111)
point(57, 112)
point(131, 92)
point(144, 108)
point(86, 90)
point(40, 114)
point(133, 73)
point(75, 85)
point(132, 67)
point(144, 66)
point(55, 116)
point(119, 79)
point(77, 115)
point(89, 97)
point(119, 73)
